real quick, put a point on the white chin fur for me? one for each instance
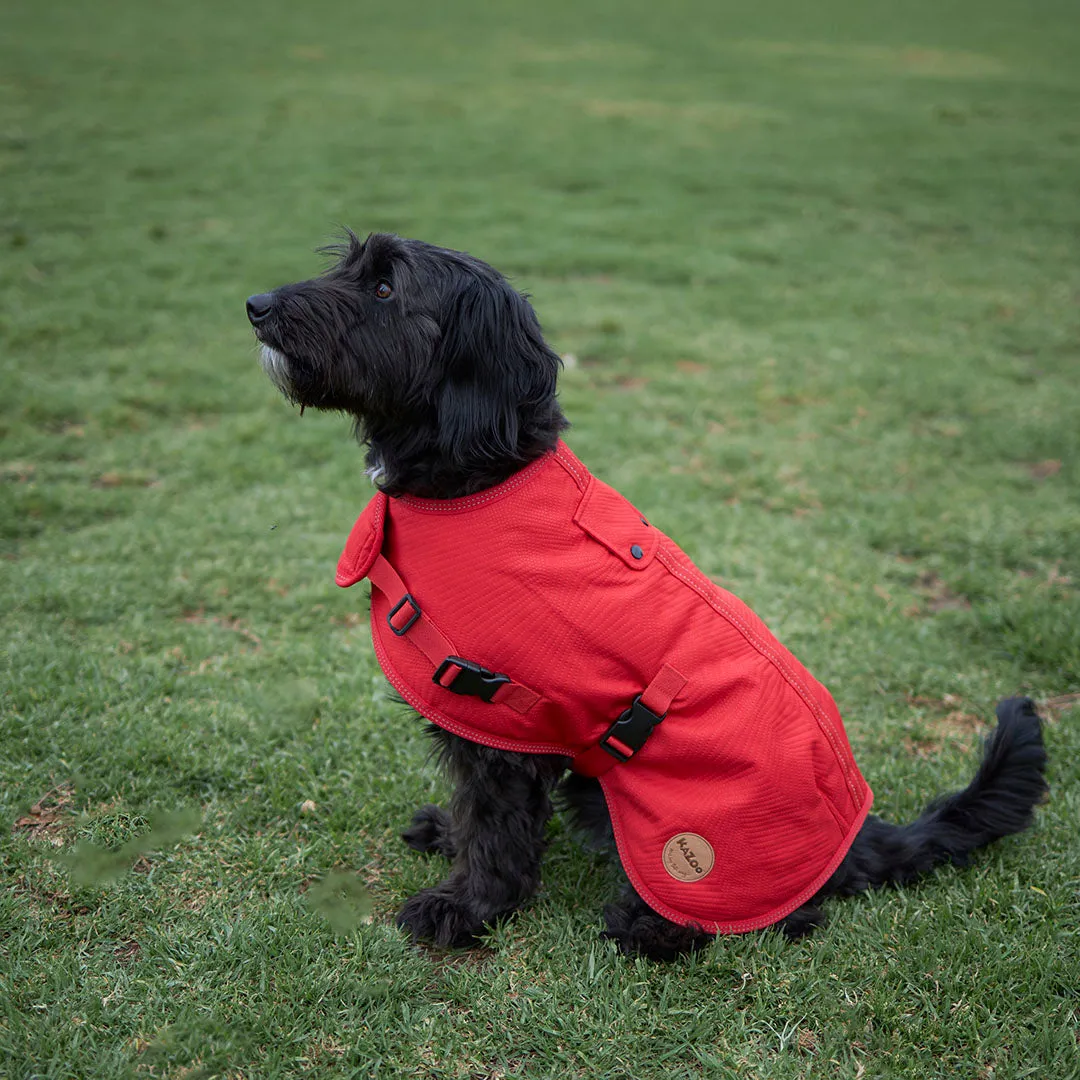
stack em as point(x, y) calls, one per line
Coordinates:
point(376, 471)
point(276, 365)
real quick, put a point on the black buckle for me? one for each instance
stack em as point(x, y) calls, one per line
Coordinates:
point(406, 599)
point(632, 729)
point(472, 679)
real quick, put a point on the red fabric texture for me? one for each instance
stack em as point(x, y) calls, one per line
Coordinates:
point(554, 579)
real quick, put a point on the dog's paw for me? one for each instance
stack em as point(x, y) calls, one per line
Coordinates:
point(429, 832)
point(644, 933)
point(802, 921)
point(439, 916)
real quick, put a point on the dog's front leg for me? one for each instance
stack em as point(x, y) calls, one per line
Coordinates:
point(500, 806)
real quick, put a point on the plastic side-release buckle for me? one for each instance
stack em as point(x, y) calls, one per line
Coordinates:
point(461, 676)
point(629, 733)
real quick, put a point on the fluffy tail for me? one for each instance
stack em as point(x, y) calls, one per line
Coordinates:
point(998, 802)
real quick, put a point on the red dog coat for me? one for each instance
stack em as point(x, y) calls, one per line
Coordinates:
point(546, 615)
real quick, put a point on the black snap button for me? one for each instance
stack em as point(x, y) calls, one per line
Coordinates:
point(635, 550)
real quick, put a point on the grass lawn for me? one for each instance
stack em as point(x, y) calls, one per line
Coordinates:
point(818, 268)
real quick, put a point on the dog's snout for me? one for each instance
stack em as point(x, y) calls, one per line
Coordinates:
point(259, 307)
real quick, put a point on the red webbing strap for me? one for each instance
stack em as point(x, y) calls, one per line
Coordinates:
point(409, 621)
point(423, 633)
point(520, 698)
point(657, 698)
point(663, 690)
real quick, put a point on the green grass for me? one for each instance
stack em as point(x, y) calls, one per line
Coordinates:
point(818, 266)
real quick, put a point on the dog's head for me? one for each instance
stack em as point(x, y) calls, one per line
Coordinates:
point(439, 359)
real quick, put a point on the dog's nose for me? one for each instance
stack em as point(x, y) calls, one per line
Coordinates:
point(259, 307)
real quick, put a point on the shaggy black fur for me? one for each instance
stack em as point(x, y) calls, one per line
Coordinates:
point(452, 387)
point(448, 377)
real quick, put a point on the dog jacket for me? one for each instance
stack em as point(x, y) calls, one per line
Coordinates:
point(546, 615)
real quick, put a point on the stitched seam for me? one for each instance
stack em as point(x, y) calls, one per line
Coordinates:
point(583, 504)
point(471, 502)
point(570, 464)
point(824, 723)
point(362, 555)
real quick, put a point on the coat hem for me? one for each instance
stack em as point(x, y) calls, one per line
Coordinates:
point(738, 926)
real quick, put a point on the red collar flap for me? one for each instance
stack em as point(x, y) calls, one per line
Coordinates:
point(364, 543)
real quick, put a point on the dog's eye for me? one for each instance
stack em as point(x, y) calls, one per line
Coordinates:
point(384, 290)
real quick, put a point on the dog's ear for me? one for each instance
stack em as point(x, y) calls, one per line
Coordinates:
point(495, 368)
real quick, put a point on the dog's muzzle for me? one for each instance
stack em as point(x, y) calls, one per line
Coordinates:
point(276, 364)
point(259, 308)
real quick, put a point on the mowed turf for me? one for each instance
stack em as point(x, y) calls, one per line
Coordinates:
point(817, 268)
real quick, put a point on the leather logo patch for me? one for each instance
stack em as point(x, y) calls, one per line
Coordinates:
point(688, 857)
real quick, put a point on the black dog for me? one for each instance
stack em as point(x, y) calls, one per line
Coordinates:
point(452, 387)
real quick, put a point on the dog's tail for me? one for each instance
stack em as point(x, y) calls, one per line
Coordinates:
point(998, 802)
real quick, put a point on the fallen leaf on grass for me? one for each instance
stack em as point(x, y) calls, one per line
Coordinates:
point(1055, 578)
point(197, 900)
point(946, 701)
point(349, 619)
point(694, 464)
point(226, 622)
point(956, 728)
point(1062, 703)
point(47, 817)
point(275, 586)
point(19, 471)
point(454, 960)
point(127, 951)
point(958, 722)
point(125, 479)
point(1043, 470)
point(937, 596)
point(922, 748)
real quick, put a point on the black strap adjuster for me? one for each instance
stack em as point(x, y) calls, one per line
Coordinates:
point(401, 630)
point(470, 679)
point(629, 733)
